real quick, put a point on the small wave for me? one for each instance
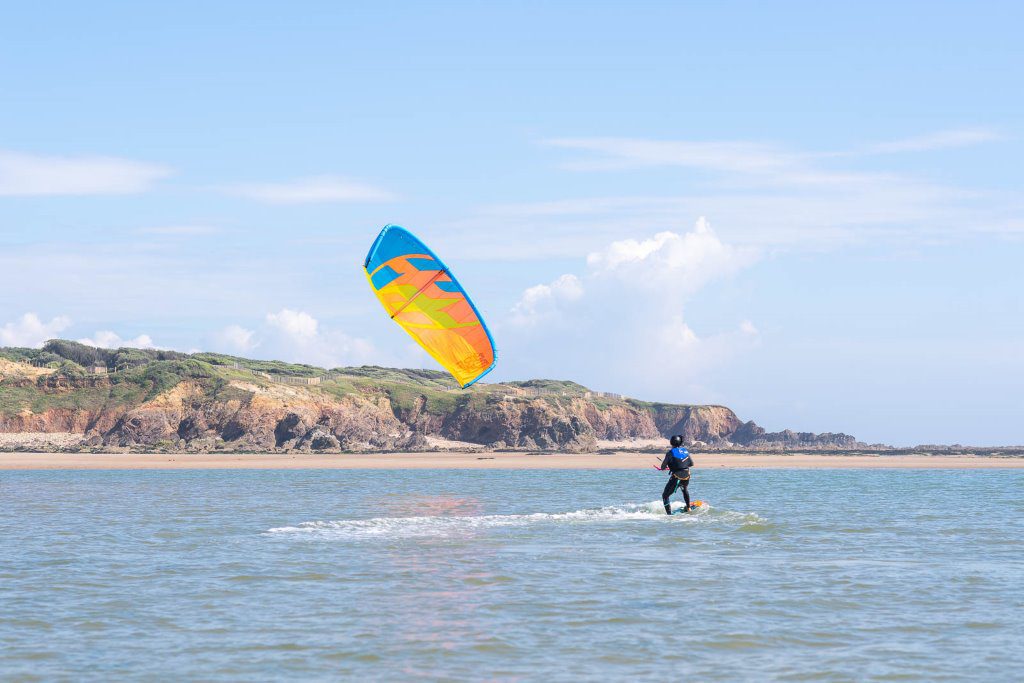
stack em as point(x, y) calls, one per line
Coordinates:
point(406, 527)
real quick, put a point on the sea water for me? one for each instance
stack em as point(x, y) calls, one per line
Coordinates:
point(844, 575)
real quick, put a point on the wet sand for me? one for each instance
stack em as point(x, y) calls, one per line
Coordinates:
point(484, 460)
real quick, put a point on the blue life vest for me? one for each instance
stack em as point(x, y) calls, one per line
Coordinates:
point(678, 460)
point(680, 453)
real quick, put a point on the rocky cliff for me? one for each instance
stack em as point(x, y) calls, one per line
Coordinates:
point(149, 400)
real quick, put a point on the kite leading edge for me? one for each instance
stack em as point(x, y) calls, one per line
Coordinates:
point(420, 293)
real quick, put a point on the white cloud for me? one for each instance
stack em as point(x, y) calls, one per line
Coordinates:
point(296, 324)
point(681, 263)
point(1009, 230)
point(747, 157)
point(540, 301)
point(36, 175)
point(684, 263)
point(744, 166)
point(105, 339)
point(31, 331)
point(164, 277)
point(621, 323)
point(297, 337)
point(236, 339)
point(630, 153)
point(315, 189)
point(945, 139)
point(748, 328)
point(763, 195)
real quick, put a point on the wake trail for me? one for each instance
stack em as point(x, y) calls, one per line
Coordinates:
point(426, 526)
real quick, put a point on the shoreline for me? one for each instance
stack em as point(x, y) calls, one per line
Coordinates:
point(485, 460)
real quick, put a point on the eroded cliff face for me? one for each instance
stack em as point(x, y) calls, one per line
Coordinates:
point(203, 414)
point(84, 415)
point(260, 418)
point(709, 424)
point(527, 424)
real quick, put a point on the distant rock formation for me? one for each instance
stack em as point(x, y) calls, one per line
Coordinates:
point(750, 435)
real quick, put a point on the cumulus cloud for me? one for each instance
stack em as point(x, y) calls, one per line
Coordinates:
point(298, 337)
point(667, 266)
point(236, 339)
point(106, 339)
point(35, 175)
point(315, 189)
point(294, 324)
point(29, 330)
point(684, 263)
point(621, 322)
point(541, 301)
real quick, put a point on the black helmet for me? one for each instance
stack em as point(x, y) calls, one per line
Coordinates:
point(676, 441)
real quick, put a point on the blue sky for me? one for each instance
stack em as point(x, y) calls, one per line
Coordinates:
point(809, 212)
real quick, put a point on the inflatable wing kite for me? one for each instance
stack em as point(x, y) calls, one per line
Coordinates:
point(421, 294)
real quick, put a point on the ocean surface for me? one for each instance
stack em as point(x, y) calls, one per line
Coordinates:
point(823, 575)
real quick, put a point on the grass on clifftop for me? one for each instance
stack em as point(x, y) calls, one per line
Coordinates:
point(135, 376)
point(273, 367)
point(556, 385)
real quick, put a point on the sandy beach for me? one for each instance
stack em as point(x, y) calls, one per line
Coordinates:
point(179, 461)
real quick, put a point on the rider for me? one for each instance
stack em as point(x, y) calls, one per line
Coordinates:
point(679, 461)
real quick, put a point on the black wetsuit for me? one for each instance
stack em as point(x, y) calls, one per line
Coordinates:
point(679, 461)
